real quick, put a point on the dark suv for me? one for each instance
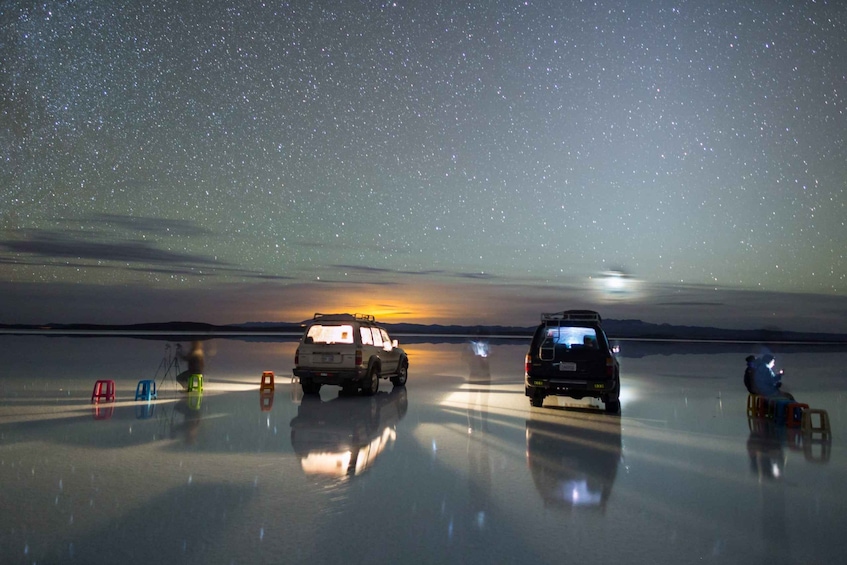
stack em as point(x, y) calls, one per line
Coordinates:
point(571, 356)
point(350, 351)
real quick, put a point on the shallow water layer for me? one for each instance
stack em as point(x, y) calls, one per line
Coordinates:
point(454, 468)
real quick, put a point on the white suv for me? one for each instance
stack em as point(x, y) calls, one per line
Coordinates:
point(350, 351)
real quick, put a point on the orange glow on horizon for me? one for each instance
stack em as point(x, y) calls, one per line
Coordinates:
point(390, 304)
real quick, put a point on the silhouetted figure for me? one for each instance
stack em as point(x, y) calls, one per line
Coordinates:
point(750, 373)
point(196, 363)
point(766, 382)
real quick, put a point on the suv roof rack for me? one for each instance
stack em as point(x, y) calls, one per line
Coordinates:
point(572, 316)
point(355, 317)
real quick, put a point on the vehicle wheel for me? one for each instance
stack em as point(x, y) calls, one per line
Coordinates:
point(402, 375)
point(371, 384)
point(537, 400)
point(310, 388)
point(613, 406)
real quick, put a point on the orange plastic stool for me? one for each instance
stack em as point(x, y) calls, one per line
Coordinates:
point(103, 390)
point(266, 399)
point(267, 381)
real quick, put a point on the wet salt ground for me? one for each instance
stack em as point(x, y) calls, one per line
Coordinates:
point(456, 468)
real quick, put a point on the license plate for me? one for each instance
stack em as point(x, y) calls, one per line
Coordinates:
point(599, 385)
point(538, 383)
point(567, 366)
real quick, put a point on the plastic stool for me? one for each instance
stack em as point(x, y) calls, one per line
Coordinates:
point(751, 405)
point(146, 390)
point(761, 406)
point(266, 400)
point(818, 450)
point(794, 414)
point(104, 411)
point(195, 398)
point(195, 382)
point(145, 411)
point(267, 381)
point(780, 410)
point(808, 426)
point(103, 390)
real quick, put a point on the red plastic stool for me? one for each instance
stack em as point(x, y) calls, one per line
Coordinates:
point(794, 414)
point(103, 390)
point(267, 381)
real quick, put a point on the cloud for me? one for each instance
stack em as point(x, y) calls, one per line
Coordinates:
point(53, 245)
point(151, 225)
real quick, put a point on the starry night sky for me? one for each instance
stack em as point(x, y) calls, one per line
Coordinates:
point(427, 160)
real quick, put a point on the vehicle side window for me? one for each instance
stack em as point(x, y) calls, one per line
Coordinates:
point(377, 337)
point(386, 341)
point(367, 336)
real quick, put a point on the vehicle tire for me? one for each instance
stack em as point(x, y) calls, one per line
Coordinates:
point(402, 375)
point(613, 406)
point(371, 384)
point(537, 400)
point(310, 387)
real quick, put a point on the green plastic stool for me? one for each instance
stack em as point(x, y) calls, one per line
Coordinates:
point(195, 382)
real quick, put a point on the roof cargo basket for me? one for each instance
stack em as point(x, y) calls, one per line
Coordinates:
point(572, 316)
point(356, 317)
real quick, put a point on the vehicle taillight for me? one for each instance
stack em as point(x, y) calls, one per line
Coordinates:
point(297, 357)
point(358, 357)
point(527, 363)
point(610, 367)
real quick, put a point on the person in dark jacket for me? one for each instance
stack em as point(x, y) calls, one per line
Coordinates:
point(766, 382)
point(749, 374)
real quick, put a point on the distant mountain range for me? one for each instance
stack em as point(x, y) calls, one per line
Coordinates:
point(618, 329)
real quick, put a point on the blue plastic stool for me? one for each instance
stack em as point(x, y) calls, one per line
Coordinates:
point(146, 390)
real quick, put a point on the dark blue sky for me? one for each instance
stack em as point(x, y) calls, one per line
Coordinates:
point(426, 160)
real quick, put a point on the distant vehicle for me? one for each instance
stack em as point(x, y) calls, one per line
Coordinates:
point(348, 350)
point(571, 356)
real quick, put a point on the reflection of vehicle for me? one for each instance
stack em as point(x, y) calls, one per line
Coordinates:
point(570, 356)
point(350, 351)
point(574, 462)
point(344, 436)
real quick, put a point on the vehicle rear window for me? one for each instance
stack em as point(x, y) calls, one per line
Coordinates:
point(571, 337)
point(320, 333)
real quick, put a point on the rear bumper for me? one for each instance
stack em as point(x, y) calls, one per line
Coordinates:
point(330, 377)
point(572, 387)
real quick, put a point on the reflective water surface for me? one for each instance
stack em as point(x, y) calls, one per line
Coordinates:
point(454, 468)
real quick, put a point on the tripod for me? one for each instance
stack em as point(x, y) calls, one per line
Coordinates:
point(168, 362)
